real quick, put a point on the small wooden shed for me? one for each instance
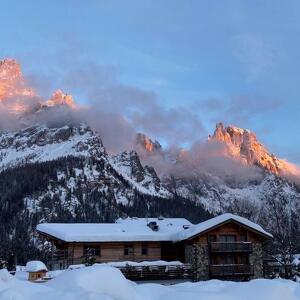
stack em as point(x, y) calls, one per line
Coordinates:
point(36, 270)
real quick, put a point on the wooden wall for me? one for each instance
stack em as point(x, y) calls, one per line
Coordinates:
point(115, 251)
point(230, 228)
point(33, 276)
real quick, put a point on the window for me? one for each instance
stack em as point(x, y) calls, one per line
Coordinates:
point(227, 238)
point(228, 260)
point(144, 249)
point(92, 250)
point(212, 238)
point(128, 249)
point(243, 237)
point(244, 260)
point(214, 260)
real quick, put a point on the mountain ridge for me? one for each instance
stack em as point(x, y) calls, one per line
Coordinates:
point(72, 178)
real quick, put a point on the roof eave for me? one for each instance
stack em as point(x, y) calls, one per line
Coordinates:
point(266, 234)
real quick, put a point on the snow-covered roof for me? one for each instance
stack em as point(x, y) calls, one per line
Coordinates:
point(130, 229)
point(121, 264)
point(211, 223)
point(136, 229)
point(35, 266)
point(165, 222)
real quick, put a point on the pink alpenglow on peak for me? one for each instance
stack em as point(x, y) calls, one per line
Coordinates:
point(12, 83)
point(18, 98)
point(147, 144)
point(243, 145)
point(60, 98)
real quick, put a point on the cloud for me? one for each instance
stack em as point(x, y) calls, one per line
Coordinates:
point(116, 110)
point(203, 159)
point(239, 109)
point(124, 110)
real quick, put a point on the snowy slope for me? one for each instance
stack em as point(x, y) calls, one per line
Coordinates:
point(41, 143)
point(100, 282)
point(142, 178)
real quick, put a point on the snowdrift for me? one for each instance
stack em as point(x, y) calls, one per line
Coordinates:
point(107, 283)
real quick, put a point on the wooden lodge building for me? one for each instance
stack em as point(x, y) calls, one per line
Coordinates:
point(224, 247)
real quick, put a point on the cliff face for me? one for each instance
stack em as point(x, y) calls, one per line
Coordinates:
point(243, 145)
point(147, 144)
point(11, 80)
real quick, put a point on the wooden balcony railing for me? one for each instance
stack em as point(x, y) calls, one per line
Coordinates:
point(230, 270)
point(158, 272)
point(218, 247)
point(60, 254)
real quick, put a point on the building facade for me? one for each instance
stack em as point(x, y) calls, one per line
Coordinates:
point(224, 247)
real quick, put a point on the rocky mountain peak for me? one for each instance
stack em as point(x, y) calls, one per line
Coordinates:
point(243, 144)
point(147, 144)
point(9, 69)
point(60, 98)
point(231, 134)
point(11, 80)
point(19, 98)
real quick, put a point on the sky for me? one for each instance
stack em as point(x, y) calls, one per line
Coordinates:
point(231, 61)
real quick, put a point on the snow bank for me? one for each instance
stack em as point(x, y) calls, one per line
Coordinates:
point(144, 263)
point(261, 289)
point(108, 283)
point(12, 288)
point(97, 279)
point(5, 276)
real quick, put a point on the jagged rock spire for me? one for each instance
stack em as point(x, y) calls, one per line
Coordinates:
point(243, 144)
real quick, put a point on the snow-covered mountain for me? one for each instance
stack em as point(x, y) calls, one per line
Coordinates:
point(40, 143)
point(144, 178)
point(54, 167)
point(254, 176)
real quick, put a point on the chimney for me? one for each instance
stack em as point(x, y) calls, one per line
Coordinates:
point(153, 225)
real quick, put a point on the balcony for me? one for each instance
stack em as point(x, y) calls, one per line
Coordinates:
point(60, 254)
point(231, 270)
point(238, 247)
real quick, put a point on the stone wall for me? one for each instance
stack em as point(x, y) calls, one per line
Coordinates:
point(198, 256)
point(256, 260)
point(189, 254)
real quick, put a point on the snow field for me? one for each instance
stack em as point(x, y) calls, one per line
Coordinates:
point(107, 283)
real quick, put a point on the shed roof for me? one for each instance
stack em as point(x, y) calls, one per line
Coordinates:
point(35, 266)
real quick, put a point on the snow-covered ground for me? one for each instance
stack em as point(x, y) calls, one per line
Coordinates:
point(102, 282)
